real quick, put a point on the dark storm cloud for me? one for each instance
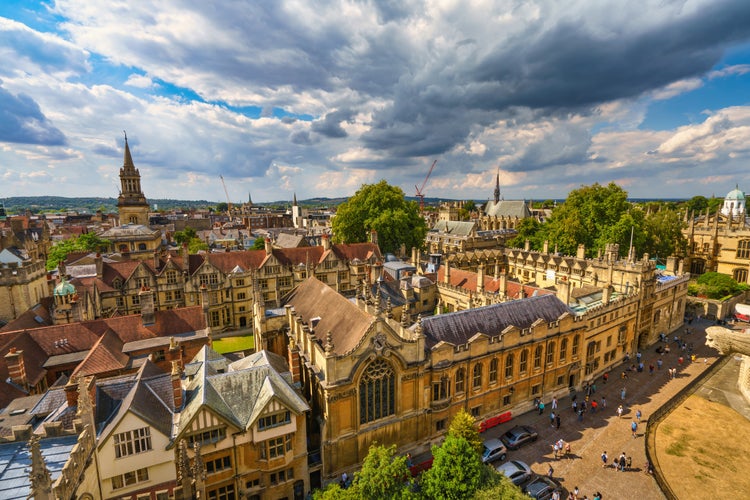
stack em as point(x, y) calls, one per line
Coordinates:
point(302, 138)
point(330, 125)
point(565, 68)
point(22, 121)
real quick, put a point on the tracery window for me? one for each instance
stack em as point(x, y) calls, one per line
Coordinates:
point(743, 249)
point(576, 344)
point(377, 389)
point(493, 370)
point(477, 376)
point(538, 357)
point(523, 363)
point(509, 366)
point(551, 353)
point(460, 380)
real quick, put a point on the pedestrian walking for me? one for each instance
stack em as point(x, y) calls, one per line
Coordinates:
point(604, 402)
point(638, 415)
point(605, 377)
point(651, 369)
point(659, 362)
point(552, 419)
point(575, 406)
point(594, 406)
point(622, 393)
point(575, 493)
point(604, 459)
point(580, 414)
point(550, 471)
point(638, 356)
point(557, 421)
point(593, 388)
point(554, 403)
point(541, 407)
point(619, 411)
point(622, 462)
point(567, 449)
point(634, 428)
point(629, 463)
point(556, 450)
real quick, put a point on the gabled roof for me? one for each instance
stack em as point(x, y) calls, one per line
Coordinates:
point(150, 398)
point(453, 227)
point(458, 327)
point(105, 355)
point(240, 394)
point(507, 208)
point(346, 322)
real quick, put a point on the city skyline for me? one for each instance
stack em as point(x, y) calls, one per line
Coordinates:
point(317, 99)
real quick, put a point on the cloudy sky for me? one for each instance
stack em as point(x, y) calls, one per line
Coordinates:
point(319, 97)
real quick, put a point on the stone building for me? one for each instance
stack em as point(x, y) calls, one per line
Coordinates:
point(369, 378)
point(23, 283)
point(232, 281)
point(720, 242)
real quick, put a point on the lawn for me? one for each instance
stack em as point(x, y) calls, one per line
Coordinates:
point(234, 344)
point(702, 450)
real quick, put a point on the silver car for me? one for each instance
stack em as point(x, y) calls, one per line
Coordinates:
point(518, 472)
point(494, 449)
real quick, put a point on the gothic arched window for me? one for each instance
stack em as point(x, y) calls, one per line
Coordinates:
point(509, 366)
point(493, 370)
point(476, 382)
point(377, 389)
point(460, 380)
point(538, 357)
point(563, 349)
point(524, 361)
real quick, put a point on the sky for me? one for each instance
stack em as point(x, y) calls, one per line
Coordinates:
point(317, 98)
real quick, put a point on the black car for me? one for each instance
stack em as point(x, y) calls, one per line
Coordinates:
point(519, 436)
point(542, 488)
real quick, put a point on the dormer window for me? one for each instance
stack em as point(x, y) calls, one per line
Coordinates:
point(275, 420)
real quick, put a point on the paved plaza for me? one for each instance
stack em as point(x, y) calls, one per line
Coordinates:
point(604, 431)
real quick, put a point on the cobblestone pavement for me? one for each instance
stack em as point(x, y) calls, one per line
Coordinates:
point(604, 431)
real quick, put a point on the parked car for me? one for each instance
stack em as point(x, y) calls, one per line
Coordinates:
point(518, 472)
point(542, 487)
point(519, 436)
point(494, 449)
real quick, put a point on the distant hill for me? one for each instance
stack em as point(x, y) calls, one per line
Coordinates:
point(48, 204)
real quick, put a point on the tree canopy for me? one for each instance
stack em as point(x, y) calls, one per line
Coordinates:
point(189, 236)
point(87, 242)
point(597, 215)
point(384, 209)
point(464, 425)
point(716, 286)
point(456, 472)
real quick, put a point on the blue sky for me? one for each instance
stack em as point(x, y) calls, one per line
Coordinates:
point(319, 97)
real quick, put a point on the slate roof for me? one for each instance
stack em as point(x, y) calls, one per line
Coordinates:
point(346, 322)
point(453, 227)
point(240, 394)
point(458, 327)
point(507, 208)
point(150, 398)
point(15, 463)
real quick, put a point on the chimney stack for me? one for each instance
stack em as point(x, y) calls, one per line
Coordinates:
point(176, 377)
point(480, 278)
point(148, 315)
point(325, 242)
point(268, 245)
point(16, 367)
point(185, 258)
point(99, 261)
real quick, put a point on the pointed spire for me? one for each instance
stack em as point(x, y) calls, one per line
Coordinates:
point(497, 187)
point(127, 160)
point(388, 308)
point(294, 203)
point(39, 476)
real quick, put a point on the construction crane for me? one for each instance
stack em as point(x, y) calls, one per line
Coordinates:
point(420, 190)
point(229, 203)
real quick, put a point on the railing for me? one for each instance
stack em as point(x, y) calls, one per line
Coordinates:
point(662, 412)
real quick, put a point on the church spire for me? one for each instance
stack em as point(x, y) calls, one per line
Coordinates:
point(127, 162)
point(294, 203)
point(497, 187)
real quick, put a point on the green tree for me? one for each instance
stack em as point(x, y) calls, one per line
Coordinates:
point(222, 207)
point(259, 244)
point(185, 235)
point(528, 229)
point(663, 234)
point(382, 208)
point(457, 471)
point(716, 286)
point(464, 425)
point(383, 475)
point(87, 242)
point(501, 488)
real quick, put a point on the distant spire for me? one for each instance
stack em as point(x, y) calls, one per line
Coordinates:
point(497, 187)
point(249, 198)
point(128, 160)
point(294, 203)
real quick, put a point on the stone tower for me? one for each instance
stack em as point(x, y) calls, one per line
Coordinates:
point(131, 203)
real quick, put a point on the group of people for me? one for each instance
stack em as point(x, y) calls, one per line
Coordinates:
point(575, 494)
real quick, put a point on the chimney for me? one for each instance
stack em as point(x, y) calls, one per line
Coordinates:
point(526, 246)
point(502, 285)
point(581, 253)
point(294, 362)
point(16, 367)
point(156, 260)
point(185, 258)
point(480, 278)
point(148, 316)
point(606, 294)
point(268, 246)
point(174, 353)
point(176, 377)
point(99, 261)
point(374, 237)
point(447, 275)
point(71, 393)
point(325, 242)
point(204, 304)
point(563, 292)
point(545, 249)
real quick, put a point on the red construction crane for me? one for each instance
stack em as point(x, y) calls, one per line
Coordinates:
point(420, 193)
